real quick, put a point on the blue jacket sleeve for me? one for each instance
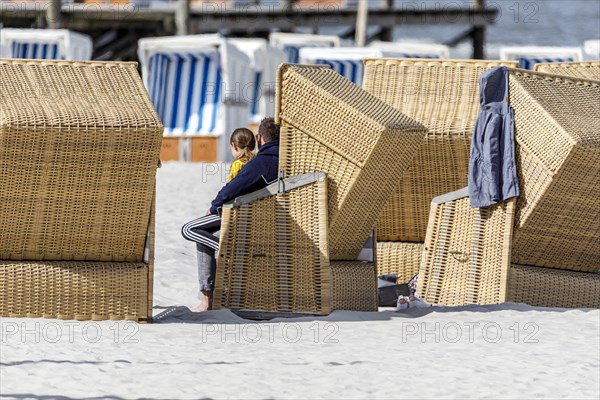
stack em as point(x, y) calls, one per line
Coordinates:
point(245, 180)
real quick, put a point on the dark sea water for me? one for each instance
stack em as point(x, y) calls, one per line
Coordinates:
point(523, 22)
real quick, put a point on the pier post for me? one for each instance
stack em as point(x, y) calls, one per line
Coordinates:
point(54, 15)
point(182, 17)
point(478, 35)
point(387, 32)
point(361, 23)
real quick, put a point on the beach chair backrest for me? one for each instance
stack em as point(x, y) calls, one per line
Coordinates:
point(346, 61)
point(443, 95)
point(46, 44)
point(581, 69)
point(528, 56)
point(329, 124)
point(79, 148)
point(557, 131)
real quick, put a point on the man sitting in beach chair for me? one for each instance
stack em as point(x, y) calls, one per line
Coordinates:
point(256, 174)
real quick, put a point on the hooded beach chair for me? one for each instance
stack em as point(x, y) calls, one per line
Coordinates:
point(264, 60)
point(346, 61)
point(443, 95)
point(77, 179)
point(197, 85)
point(528, 56)
point(45, 44)
point(298, 250)
point(591, 49)
point(291, 43)
point(542, 248)
point(407, 49)
point(578, 69)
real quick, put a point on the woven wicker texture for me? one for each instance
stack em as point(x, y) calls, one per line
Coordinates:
point(545, 287)
point(74, 290)
point(444, 96)
point(578, 69)
point(273, 253)
point(400, 258)
point(329, 124)
point(79, 147)
point(354, 285)
point(466, 253)
point(557, 129)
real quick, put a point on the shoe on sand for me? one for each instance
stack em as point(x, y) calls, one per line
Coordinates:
point(402, 303)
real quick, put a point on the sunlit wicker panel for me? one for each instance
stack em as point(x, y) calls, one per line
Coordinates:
point(578, 69)
point(273, 254)
point(79, 145)
point(443, 95)
point(354, 285)
point(546, 287)
point(557, 130)
point(400, 258)
point(75, 290)
point(466, 252)
point(332, 125)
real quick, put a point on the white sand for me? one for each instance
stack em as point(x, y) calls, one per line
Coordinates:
point(422, 353)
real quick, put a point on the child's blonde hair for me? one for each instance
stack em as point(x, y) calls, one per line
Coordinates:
point(245, 141)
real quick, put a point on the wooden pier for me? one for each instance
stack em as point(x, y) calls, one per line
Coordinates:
point(116, 27)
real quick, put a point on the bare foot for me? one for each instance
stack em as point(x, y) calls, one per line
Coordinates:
point(200, 308)
point(206, 304)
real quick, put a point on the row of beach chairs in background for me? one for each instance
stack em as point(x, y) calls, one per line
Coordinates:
point(202, 87)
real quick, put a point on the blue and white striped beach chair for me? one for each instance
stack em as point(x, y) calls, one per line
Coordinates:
point(264, 60)
point(291, 43)
point(591, 49)
point(406, 49)
point(185, 88)
point(528, 56)
point(46, 44)
point(346, 61)
point(197, 84)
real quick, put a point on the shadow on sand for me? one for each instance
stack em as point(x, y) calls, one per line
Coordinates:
point(182, 314)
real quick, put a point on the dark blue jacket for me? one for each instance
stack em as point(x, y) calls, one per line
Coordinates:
point(493, 166)
point(253, 176)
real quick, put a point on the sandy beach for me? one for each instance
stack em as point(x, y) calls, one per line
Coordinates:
point(497, 351)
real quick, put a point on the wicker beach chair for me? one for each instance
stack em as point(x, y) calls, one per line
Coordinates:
point(556, 220)
point(79, 146)
point(443, 95)
point(582, 69)
point(328, 125)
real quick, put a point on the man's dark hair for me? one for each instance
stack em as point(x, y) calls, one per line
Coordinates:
point(268, 129)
